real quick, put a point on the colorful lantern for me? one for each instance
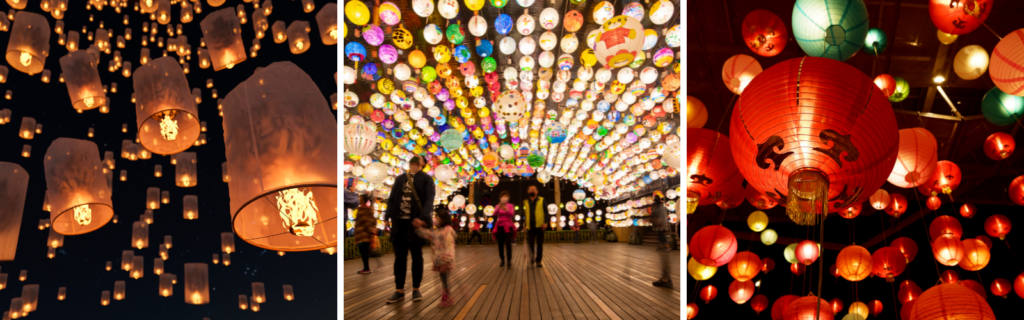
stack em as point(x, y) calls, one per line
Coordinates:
point(769, 236)
point(835, 30)
point(708, 293)
point(897, 205)
point(960, 17)
point(886, 83)
point(619, 41)
point(946, 177)
point(699, 271)
point(738, 71)
point(28, 44)
point(976, 255)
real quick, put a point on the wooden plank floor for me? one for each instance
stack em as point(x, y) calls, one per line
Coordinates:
point(578, 281)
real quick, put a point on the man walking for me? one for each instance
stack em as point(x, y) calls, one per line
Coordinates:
point(412, 197)
point(536, 224)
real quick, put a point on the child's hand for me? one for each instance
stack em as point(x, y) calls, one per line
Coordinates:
point(417, 223)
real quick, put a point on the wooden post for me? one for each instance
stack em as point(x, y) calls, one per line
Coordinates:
point(558, 202)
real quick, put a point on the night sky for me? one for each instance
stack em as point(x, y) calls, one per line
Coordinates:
point(79, 264)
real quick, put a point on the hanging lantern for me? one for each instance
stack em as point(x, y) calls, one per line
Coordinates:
point(708, 293)
point(835, 31)
point(909, 291)
point(13, 188)
point(949, 277)
point(781, 304)
point(28, 45)
point(943, 225)
point(897, 205)
point(769, 236)
point(83, 81)
point(619, 41)
point(970, 62)
point(837, 305)
point(946, 177)
point(888, 263)
point(737, 72)
point(886, 83)
point(880, 199)
point(300, 184)
point(744, 266)
point(968, 210)
point(691, 310)
point(851, 211)
point(871, 136)
point(950, 301)
point(741, 291)
point(807, 252)
point(1001, 287)
point(854, 263)
point(948, 250)
point(902, 90)
point(997, 225)
point(999, 146)
point(223, 35)
point(197, 283)
point(759, 200)
point(808, 308)
point(906, 246)
point(768, 265)
point(763, 31)
point(713, 245)
point(790, 253)
point(165, 111)
point(933, 203)
point(976, 255)
point(959, 17)
point(976, 287)
point(759, 302)
point(79, 197)
point(709, 166)
point(699, 271)
point(1000, 108)
point(875, 41)
point(757, 221)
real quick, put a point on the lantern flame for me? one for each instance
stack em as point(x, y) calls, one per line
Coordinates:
point(89, 102)
point(165, 293)
point(83, 215)
point(186, 181)
point(138, 244)
point(26, 58)
point(333, 33)
point(169, 127)
point(299, 44)
point(298, 210)
point(197, 298)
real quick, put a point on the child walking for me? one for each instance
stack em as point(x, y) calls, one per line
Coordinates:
point(442, 242)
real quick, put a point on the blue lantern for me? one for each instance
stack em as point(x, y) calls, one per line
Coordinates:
point(461, 53)
point(503, 25)
point(484, 48)
point(356, 52)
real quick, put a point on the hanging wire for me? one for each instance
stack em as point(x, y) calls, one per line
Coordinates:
point(726, 113)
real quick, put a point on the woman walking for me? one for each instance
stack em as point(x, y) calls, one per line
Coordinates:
point(366, 228)
point(504, 231)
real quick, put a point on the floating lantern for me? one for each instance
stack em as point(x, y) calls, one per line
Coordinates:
point(190, 207)
point(185, 172)
point(197, 283)
point(223, 35)
point(14, 178)
point(79, 198)
point(28, 45)
point(83, 81)
point(165, 111)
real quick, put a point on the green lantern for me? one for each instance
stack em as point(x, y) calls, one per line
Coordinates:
point(535, 160)
point(834, 29)
point(489, 65)
point(455, 34)
point(428, 74)
point(1000, 108)
point(640, 58)
point(499, 3)
point(875, 42)
point(902, 90)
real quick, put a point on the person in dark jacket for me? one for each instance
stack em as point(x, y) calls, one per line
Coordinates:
point(412, 197)
point(351, 202)
point(366, 227)
point(659, 220)
point(592, 226)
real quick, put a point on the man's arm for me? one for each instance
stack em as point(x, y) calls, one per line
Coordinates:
point(427, 201)
point(396, 191)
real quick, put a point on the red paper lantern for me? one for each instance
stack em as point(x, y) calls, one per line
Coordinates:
point(833, 270)
point(691, 310)
point(1001, 287)
point(1004, 68)
point(950, 277)
point(887, 84)
point(950, 301)
point(764, 32)
point(880, 199)
point(959, 17)
point(759, 303)
point(738, 71)
point(945, 225)
point(976, 255)
point(767, 265)
point(807, 252)
point(809, 308)
point(797, 268)
point(927, 190)
point(905, 310)
point(948, 250)
point(854, 263)
point(908, 291)
point(888, 263)
point(708, 293)
point(741, 291)
point(837, 305)
point(875, 307)
point(968, 210)
point(976, 287)
point(998, 226)
point(744, 266)
point(710, 166)
point(758, 199)
point(1017, 190)
point(851, 211)
point(713, 246)
point(999, 146)
point(784, 141)
point(933, 203)
point(1018, 285)
point(986, 240)
point(906, 246)
point(946, 177)
point(916, 159)
point(731, 198)
point(897, 205)
point(780, 306)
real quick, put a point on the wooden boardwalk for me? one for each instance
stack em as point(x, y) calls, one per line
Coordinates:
point(578, 281)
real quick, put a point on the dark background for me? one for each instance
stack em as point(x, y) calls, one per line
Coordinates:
point(79, 265)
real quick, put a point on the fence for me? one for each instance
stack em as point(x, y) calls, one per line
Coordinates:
point(351, 252)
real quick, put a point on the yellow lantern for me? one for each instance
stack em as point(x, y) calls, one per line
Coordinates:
point(385, 86)
point(860, 309)
point(289, 293)
point(442, 54)
point(945, 38)
point(357, 12)
point(443, 70)
point(699, 271)
point(757, 221)
point(402, 38)
point(588, 58)
point(970, 62)
point(417, 59)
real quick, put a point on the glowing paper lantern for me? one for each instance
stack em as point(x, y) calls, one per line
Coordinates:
point(807, 252)
point(902, 90)
point(851, 211)
point(946, 177)
point(909, 291)
point(510, 106)
point(619, 41)
point(708, 293)
point(691, 310)
point(916, 159)
point(13, 188)
point(834, 30)
point(1001, 287)
point(943, 225)
point(968, 210)
point(696, 113)
point(759, 200)
point(759, 303)
point(165, 110)
point(713, 246)
point(880, 199)
point(744, 266)
point(976, 255)
point(28, 44)
point(948, 250)
point(970, 62)
point(197, 283)
point(837, 305)
point(888, 263)
point(757, 221)
point(950, 301)
point(886, 83)
point(897, 205)
point(738, 71)
point(769, 236)
point(817, 142)
point(999, 146)
point(997, 225)
point(780, 306)
point(712, 173)
point(741, 291)
point(959, 17)
point(223, 35)
point(83, 81)
point(875, 41)
point(298, 182)
point(854, 263)
point(808, 308)
point(79, 197)
point(699, 271)
point(763, 31)
point(361, 138)
point(906, 246)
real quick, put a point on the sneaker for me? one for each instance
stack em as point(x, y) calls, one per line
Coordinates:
point(416, 295)
point(539, 264)
point(446, 299)
point(395, 297)
point(663, 284)
point(366, 271)
point(502, 264)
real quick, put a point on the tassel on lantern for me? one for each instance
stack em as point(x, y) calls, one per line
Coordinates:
point(808, 196)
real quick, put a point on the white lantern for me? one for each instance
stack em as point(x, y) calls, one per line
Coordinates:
point(510, 106)
point(357, 171)
point(526, 63)
point(423, 8)
point(548, 41)
point(511, 73)
point(674, 36)
point(471, 208)
point(351, 99)
point(527, 45)
point(625, 75)
point(546, 59)
point(553, 209)
point(544, 176)
point(616, 48)
point(672, 155)
point(444, 173)
point(603, 11)
point(432, 33)
point(603, 75)
point(360, 138)
point(524, 24)
point(650, 39)
point(506, 152)
point(525, 3)
point(507, 45)
point(661, 12)
point(597, 179)
point(348, 75)
point(592, 38)
point(448, 9)
point(649, 75)
point(585, 74)
point(402, 71)
point(375, 172)
point(478, 26)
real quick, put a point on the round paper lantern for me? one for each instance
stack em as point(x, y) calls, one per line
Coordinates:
point(985, 239)
point(1005, 66)
point(619, 42)
point(360, 138)
point(999, 146)
point(573, 21)
point(416, 59)
point(744, 266)
point(950, 301)
point(945, 178)
point(970, 62)
point(976, 255)
point(738, 71)
point(691, 310)
point(713, 246)
point(909, 291)
point(1001, 287)
point(759, 200)
point(375, 172)
point(945, 38)
point(449, 9)
point(1017, 190)
point(902, 90)
point(763, 118)
point(769, 236)
point(759, 303)
point(808, 308)
point(708, 293)
point(886, 83)
point(943, 225)
point(699, 271)
point(525, 24)
point(851, 211)
point(807, 252)
point(854, 263)
point(790, 253)
point(767, 264)
point(998, 226)
point(763, 31)
point(948, 250)
point(603, 11)
point(710, 166)
point(897, 205)
point(696, 113)
point(423, 8)
point(548, 18)
point(510, 106)
point(860, 309)
point(968, 210)
point(875, 41)
point(916, 159)
point(781, 304)
point(1000, 108)
point(741, 291)
point(906, 246)
point(503, 24)
point(444, 173)
point(1018, 285)
point(888, 263)
point(451, 139)
point(834, 29)
point(880, 199)
point(357, 12)
point(757, 221)
point(933, 203)
point(959, 17)
point(950, 277)
point(837, 305)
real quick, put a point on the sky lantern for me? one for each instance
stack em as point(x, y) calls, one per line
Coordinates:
point(780, 306)
point(696, 113)
point(1001, 287)
point(808, 308)
point(223, 35)
point(950, 301)
point(908, 291)
point(976, 255)
point(998, 226)
point(970, 62)
point(897, 205)
point(119, 293)
point(1001, 108)
point(327, 23)
point(259, 293)
point(757, 221)
point(713, 245)
point(887, 84)
point(166, 287)
point(959, 17)
point(880, 199)
point(166, 115)
point(28, 45)
point(807, 252)
point(138, 265)
point(888, 263)
point(764, 33)
point(83, 80)
point(140, 235)
point(759, 303)
point(866, 142)
point(291, 167)
point(943, 225)
point(197, 283)
point(738, 71)
point(948, 250)
point(790, 253)
point(708, 293)
point(946, 177)
point(836, 30)
point(758, 199)
point(78, 194)
point(851, 211)
point(710, 168)
point(13, 188)
point(916, 159)
point(289, 293)
point(999, 146)
point(699, 271)
point(741, 291)
point(854, 263)
point(745, 266)
point(906, 246)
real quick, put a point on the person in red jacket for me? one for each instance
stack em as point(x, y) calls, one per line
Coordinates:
point(504, 231)
point(474, 227)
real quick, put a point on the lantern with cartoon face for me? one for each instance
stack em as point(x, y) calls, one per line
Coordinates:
point(402, 38)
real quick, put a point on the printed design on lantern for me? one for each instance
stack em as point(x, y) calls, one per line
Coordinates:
point(777, 196)
point(949, 177)
point(615, 33)
point(766, 151)
point(847, 199)
point(701, 179)
point(83, 215)
point(298, 211)
point(970, 8)
point(840, 143)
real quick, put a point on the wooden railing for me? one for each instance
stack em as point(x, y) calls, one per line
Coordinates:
point(351, 252)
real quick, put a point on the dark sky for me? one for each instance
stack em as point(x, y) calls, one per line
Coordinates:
point(79, 265)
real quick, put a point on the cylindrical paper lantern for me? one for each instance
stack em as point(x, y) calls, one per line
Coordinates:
point(79, 197)
point(223, 35)
point(138, 267)
point(185, 172)
point(158, 266)
point(289, 293)
point(140, 235)
point(906, 246)
point(738, 71)
point(959, 17)
point(834, 30)
point(197, 283)
point(225, 259)
point(998, 226)
point(243, 301)
point(916, 159)
point(83, 81)
point(854, 263)
point(166, 288)
point(153, 198)
point(808, 308)
point(950, 301)
point(740, 292)
point(713, 245)
point(119, 293)
point(764, 32)
point(888, 263)
point(165, 112)
point(327, 23)
point(970, 62)
point(13, 188)
point(62, 293)
point(259, 293)
point(948, 250)
point(227, 242)
point(190, 205)
point(710, 167)
point(29, 43)
point(29, 298)
point(104, 297)
point(265, 119)
point(744, 266)
point(298, 36)
point(943, 225)
point(27, 130)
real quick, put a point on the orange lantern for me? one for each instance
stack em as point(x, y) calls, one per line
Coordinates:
point(897, 205)
point(948, 250)
point(713, 246)
point(741, 291)
point(83, 80)
point(708, 293)
point(976, 255)
point(933, 203)
point(998, 225)
point(908, 291)
point(223, 35)
point(738, 71)
point(417, 59)
point(950, 277)
point(759, 303)
point(696, 113)
point(14, 178)
point(999, 146)
point(944, 225)
point(79, 197)
point(744, 266)
point(967, 210)
point(780, 306)
point(948, 301)
point(888, 263)
point(166, 286)
point(691, 310)
point(851, 211)
point(854, 263)
point(166, 114)
point(197, 283)
point(906, 246)
point(28, 44)
point(880, 199)
point(1001, 287)
point(808, 308)
point(807, 252)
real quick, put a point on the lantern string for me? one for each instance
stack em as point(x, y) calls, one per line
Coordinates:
point(726, 113)
point(893, 288)
point(929, 236)
point(821, 257)
point(993, 31)
point(694, 294)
